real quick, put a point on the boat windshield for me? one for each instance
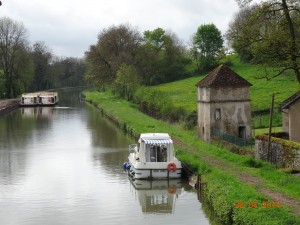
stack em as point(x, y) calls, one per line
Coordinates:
point(156, 153)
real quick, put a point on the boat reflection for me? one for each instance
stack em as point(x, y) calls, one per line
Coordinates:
point(37, 112)
point(157, 196)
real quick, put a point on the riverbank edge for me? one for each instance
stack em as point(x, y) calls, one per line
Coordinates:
point(8, 105)
point(226, 210)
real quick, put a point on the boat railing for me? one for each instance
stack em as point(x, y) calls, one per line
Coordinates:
point(132, 148)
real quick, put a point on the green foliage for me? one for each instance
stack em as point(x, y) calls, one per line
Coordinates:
point(207, 45)
point(2, 84)
point(191, 119)
point(283, 142)
point(263, 120)
point(266, 130)
point(158, 57)
point(27, 69)
point(267, 34)
point(157, 104)
point(42, 58)
point(127, 81)
point(164, 56)
point(156, 38)
point(116, 45)
point(253, 163)
point(13, 54)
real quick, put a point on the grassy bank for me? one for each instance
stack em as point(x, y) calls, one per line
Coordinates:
point(229, 177)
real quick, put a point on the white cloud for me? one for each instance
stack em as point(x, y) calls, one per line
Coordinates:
point(70, 26)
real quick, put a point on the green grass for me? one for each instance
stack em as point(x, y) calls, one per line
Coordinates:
point(262, 90)
point(184, 92)
point(223, 184)
point(266, 130)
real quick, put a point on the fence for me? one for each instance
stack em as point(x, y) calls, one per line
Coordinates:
point(231, 138)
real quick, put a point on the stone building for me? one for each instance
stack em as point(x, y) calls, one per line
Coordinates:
point(224, 104)
point(291, 117)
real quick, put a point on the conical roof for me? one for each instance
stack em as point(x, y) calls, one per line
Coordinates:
point(223, 76)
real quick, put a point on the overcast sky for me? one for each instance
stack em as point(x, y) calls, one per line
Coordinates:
point(69, 27)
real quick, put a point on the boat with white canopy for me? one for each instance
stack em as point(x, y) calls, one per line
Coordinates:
point(153, 157)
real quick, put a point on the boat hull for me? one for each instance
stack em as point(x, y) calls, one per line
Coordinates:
point(154, 170)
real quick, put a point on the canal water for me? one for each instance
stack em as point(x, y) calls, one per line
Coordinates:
point(63, 165)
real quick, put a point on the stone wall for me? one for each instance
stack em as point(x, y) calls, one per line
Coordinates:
point(283, 153)
point(8, 105)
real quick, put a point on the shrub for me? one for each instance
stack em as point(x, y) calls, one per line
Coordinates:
point(253, 163)
point(190, 120)
point(157, 104)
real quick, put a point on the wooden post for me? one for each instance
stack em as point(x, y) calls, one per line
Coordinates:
point(270, 128)
point(198, 184)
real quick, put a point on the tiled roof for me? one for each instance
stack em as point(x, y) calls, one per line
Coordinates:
point(223, 76)
point(290, 100)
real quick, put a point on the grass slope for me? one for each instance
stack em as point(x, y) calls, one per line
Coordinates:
point(184, 92)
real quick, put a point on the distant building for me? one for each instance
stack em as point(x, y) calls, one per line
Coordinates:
point(291, 117)
point(224, 104)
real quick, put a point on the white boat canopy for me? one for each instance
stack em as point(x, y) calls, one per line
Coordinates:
point(158, 142)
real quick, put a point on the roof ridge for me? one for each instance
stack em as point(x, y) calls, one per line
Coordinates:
point(286, 103)
point(223, 76)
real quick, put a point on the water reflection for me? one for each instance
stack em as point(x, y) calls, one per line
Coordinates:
point(157, 196)
point(103, 132)
point(37, 112)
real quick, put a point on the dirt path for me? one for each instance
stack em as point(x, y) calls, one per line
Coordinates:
point(249, 179)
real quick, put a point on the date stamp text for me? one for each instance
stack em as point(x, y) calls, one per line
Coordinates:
point(256, 204)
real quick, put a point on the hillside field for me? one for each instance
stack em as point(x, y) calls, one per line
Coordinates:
point(184, 92)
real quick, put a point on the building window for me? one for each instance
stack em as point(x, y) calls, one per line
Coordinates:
point(218, 114)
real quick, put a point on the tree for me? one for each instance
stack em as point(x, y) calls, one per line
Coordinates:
point(116, 45)
point(2, 84)
point(13, 43)
point(163, 57)
point(207, 43)
point(270, 33)
point(42, 57)
point(157, 38)
point(127, 81)
point(73, 72)
point(23, 71)
point(238, 33)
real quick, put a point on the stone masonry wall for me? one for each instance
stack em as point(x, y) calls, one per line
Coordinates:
point(282, 152)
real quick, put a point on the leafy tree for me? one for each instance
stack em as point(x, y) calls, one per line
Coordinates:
point(238, 33)
point(157, 38)
point(42, 57)
point(116, 45)
point(13, 44)
point(127, 81)
point(73, 71)
point(163, 56)
point(2, 84)
point(23, 72)
point(67, 72)
point(269, 33)
point(207, 43)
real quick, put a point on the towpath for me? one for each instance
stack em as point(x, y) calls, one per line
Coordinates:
point(246, 178)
